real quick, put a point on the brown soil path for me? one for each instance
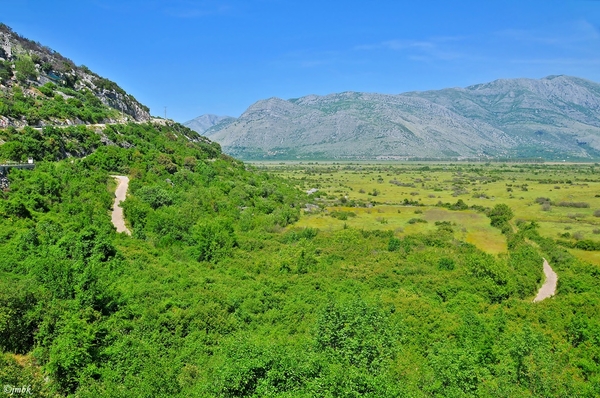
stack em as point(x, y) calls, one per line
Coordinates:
point(548, 289)
point(117, 213)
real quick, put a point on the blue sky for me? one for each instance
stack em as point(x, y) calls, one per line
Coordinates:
point(219, 57)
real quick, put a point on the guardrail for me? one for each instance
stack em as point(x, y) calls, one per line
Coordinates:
point(14, 165)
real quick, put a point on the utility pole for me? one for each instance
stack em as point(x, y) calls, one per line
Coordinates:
point(165, 113)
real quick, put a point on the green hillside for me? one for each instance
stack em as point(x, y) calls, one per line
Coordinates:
point(218, 292)
point(39, 86)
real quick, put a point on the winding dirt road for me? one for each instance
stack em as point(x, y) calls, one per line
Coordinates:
point(117, 213)
point(548, 289)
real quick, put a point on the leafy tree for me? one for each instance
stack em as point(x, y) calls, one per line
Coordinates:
point(5, 71)
point(214, 239)
point(71, 352)
point(394, 244)
point(16, 208)
point(500, 214)
point(17, 323)
point(155, 196)
point(25, 68)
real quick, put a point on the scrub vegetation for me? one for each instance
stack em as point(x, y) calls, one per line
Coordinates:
point(227, 287)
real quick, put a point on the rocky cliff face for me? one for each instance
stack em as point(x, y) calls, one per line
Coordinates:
point(44, 65)
point(553, 118)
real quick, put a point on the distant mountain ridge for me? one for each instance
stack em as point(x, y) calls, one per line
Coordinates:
point(556, 117)
point(204, 122)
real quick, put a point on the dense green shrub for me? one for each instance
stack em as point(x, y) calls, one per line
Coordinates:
point(500, 215)
point(394, 244)
point(154, 196)
point(342, 215)
point(356, 333)
point(25, 68)
point(445, 263)
point(17, 317)
point(214, 240)
point(588, 244)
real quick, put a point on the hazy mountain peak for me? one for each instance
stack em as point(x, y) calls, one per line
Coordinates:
point(205, 122)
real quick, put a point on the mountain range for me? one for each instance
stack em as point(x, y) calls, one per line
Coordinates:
point(553, 118)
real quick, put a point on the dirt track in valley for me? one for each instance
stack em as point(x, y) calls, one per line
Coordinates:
point(548, 289)
point(117, 214)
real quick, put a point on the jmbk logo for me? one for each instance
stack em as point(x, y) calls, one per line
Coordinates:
point(12, 390)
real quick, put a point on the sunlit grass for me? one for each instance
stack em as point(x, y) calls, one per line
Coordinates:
point(590, 257)
point(386, 185)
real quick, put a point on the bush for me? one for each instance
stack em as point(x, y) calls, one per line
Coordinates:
point(445, 264)
point(580, 205)
point(342, 215)
point(155, 196)
point(445, 226)
point(588, 245)
point(5, 71)
point(17, 326)
point(214, 240)
point(284, 216)
point(48, 89)
point(500, 215)
point(394, 244)
point(306, 233)
point(459, 205)
point(16, 208)
point(136, 212)
point(356, 334)
point(25, 68)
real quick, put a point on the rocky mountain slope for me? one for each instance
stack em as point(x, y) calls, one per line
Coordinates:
point(204, 122)
point(557, 117)
point(51, 109)
point(33, 77)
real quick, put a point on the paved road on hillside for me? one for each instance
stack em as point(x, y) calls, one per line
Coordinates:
point(103, 125)
point(548, 289)
point(117, 213)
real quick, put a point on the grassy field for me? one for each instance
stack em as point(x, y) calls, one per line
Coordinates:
point(561, 198)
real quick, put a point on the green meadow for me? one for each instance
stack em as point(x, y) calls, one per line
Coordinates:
point(389, 195)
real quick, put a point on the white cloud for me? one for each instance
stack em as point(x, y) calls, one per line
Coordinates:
point(197, 9)
point(557, 61)
point(573, 33)
point(436, 48)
